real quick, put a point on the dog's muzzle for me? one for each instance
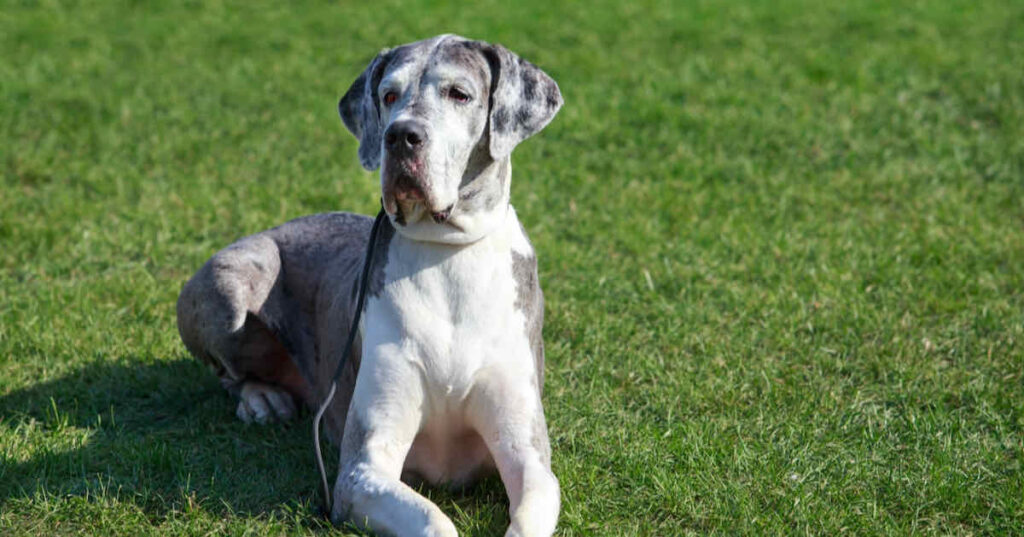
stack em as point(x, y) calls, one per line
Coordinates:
point(405, 141)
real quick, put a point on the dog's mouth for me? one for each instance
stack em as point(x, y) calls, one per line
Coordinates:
point(407, 189)
point(408, 201)
point(408, 211)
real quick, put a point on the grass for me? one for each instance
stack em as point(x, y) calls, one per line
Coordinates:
point(781, 244)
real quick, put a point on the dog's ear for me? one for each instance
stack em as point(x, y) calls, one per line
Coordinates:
point(523, 99)
point(360, 110)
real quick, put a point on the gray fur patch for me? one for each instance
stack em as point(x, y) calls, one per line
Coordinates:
point(539, 439)
point(380, 258)
point(530, 301)
point(478, 194)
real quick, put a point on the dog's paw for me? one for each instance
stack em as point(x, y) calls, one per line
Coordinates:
point(262, 403)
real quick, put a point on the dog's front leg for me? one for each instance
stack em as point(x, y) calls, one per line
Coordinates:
point(383, 420)
point(510, 419)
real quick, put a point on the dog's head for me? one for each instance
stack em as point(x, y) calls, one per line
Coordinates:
point(440, 117)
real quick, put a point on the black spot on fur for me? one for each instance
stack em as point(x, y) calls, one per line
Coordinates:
point(500, 121)
point(523, 115)
point(551, 95)
point(529, 86)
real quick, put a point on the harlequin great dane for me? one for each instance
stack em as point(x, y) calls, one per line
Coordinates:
point(445, 379)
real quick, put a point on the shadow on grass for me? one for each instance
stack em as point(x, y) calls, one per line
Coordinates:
point(162, 435)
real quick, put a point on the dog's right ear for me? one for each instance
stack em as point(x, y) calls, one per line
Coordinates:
point(360, 110)
point(523, 99)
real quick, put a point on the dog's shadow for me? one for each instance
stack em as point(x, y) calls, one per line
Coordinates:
point(162, 434)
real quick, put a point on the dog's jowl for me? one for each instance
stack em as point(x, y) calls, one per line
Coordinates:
point(445, 380)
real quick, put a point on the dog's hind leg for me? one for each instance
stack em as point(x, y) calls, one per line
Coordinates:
point(230, 317)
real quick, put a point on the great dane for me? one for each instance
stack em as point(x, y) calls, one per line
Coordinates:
point(446, 375)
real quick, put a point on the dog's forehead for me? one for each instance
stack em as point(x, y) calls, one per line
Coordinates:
point(445, 57)
point(461, 57)
point(405, 59)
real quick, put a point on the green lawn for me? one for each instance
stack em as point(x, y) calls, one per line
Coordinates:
point(782, 245)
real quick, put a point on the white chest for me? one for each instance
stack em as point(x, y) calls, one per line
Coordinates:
point(451, 310)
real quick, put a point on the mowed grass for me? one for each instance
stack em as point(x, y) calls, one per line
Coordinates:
point(782, 245)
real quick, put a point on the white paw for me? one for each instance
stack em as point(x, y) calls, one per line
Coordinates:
point(442, 527)
point(262, 403)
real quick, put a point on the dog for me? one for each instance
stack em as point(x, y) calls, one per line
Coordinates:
point(445, 379)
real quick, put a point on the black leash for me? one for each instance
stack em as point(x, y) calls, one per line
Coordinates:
point(345, 356)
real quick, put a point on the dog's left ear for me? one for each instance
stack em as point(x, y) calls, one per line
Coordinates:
point(523, 99)
point(360, 111)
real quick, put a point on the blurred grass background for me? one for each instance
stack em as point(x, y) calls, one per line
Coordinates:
point(781, 244)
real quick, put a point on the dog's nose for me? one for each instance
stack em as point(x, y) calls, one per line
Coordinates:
point(405, 135)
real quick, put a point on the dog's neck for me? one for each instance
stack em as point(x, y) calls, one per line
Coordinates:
point(482, 207)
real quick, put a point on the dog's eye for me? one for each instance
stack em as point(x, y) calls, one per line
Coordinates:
point(458, 95)
point(390, 98)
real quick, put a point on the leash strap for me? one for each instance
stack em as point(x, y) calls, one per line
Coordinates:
point(360, 302)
